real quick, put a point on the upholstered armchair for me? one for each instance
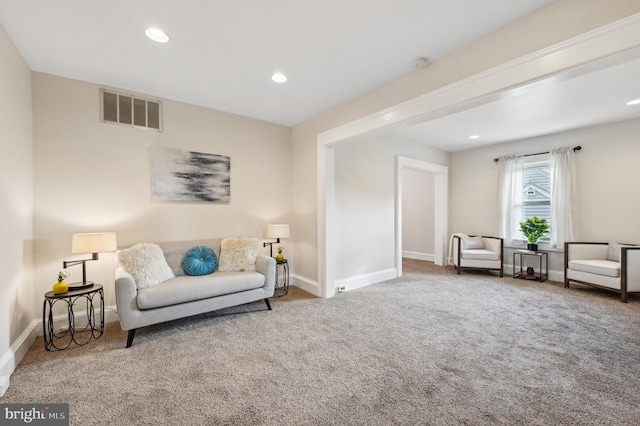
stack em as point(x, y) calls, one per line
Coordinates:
point(477, 252)
point(610, 266)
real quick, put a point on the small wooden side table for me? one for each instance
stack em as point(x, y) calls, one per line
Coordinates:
point(79, 335)
point(282, 278)
point(529, 273)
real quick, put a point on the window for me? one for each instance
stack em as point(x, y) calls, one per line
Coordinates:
point(540, 185)
point(536, 189)
point(130, 110)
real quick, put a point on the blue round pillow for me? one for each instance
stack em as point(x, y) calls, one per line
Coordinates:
point(199, 260)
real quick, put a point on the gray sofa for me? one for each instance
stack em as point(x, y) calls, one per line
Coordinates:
point(185, 295)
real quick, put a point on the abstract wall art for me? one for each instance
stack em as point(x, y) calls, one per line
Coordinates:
point(178, 175)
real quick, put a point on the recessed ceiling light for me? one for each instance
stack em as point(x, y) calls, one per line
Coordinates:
point(157, 35)
point(279, 77)
point(474, 136)
point(634, 102)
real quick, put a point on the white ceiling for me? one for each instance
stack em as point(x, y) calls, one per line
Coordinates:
point(222, 53)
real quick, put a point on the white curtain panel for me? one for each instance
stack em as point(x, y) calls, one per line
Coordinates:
point(510, 171)
point(563, 197)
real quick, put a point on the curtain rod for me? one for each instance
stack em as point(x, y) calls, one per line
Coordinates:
point(575, 148)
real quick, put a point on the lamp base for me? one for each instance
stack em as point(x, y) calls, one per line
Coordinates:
point(80, 285)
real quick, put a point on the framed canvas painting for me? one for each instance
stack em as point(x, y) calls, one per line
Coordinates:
point(189, 176)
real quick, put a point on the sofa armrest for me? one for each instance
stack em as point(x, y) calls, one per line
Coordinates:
point(126, 293)
point(266, 265)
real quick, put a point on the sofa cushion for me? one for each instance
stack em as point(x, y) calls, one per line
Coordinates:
point(199, 260)
point(174, 251)
point(479, 254)
point(146, 263)
point(596, 266)
point(189, 288)
point(238, 254)
point(472, 243)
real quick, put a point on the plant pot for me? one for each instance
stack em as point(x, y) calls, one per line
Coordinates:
point(532, 247)
point(60, 287)
point(280, 257)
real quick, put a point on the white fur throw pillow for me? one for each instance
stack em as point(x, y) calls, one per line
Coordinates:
point(238, 254)
point(146, 263)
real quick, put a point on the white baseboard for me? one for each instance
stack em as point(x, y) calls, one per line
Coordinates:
point(12, 357)
point(418, 256)
point(4, 385)
point(308, 285)
point(364, 280)
point(61, 321)
point(20, 347)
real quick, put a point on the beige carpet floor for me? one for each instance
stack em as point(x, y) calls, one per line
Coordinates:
point(430, 348)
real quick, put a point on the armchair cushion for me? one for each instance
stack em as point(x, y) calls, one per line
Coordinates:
point(479, 254)
point(596, 266)
point(471, 243)
point(613, 251)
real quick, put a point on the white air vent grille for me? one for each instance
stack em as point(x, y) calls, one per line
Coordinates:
point(130, 110)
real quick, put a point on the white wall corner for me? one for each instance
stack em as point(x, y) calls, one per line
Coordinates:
point(308, 285)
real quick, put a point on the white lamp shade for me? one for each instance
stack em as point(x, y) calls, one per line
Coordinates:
point(278, 231)
point(94, 242)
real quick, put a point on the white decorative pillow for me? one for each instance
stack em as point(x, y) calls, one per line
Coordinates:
point(146, 263)
point(471, 243)
point(238, 254)
point(614, 250)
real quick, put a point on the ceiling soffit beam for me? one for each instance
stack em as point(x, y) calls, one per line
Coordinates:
point(614, 43)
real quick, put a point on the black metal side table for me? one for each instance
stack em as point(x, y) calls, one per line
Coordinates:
point(282, 278)
point(530, 273)
point(78, 335)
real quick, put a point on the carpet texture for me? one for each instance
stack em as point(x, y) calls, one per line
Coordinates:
point(429, 348)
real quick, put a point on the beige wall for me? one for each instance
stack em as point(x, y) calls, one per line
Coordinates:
point(606, 171)
point(17, 302)
point(557, 22)
point(365, 188)
point(91, 176)
point(418, 214)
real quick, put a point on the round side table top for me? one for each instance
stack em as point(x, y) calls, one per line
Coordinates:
point(71, 293)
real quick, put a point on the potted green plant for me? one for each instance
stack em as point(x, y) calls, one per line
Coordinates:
point(534, 228)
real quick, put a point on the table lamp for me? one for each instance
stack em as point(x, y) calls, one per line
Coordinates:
point(276, 231)
point(93, 243)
